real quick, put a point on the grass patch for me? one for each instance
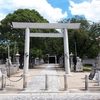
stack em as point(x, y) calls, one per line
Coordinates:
point(87, 68)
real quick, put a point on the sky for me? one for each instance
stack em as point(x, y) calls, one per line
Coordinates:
point(54, 10)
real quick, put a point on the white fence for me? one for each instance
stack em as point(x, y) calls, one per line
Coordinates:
point(88, 61)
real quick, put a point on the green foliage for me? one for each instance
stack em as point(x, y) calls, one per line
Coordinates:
point(86, 44)
point(7, 33)
point(38, 46)
point(87, 68)
point(36, 52)
point(84, 38)
point(3, 50)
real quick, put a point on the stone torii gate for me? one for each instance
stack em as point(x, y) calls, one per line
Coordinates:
point(27, 27)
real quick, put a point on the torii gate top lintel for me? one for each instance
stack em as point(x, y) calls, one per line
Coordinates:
point(45, 25)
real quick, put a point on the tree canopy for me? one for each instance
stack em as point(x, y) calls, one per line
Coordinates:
point(82, 42)
point(84, 39)
point(38, 46)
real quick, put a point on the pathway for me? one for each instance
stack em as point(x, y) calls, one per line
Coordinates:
point(37, 83)
point(46, 96)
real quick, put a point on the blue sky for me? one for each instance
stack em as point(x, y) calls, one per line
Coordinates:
point(54, 10)
point(63, 4)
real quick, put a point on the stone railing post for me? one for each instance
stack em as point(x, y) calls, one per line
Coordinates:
point(24, 82)
point(46, 82)
point(65, 83)
point(3, 81)
point(86, 82)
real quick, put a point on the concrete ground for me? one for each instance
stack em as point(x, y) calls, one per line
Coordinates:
point(76, 82)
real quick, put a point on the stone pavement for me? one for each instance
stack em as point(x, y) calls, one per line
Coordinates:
point(37, 83)
point(50, 96)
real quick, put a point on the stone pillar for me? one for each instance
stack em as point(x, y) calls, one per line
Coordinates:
point(66, 52)
point(99, 78)
point(3, 81)
point(46, 82)
point(26, 52)
point(17, 60)
point(86, 82)
point(65, 83)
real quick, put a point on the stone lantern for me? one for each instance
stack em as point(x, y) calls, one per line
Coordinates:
point(17, 55)
point(71, 60)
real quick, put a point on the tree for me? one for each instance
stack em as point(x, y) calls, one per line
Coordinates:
point(84, 38)
point(37, 45)
point(21, 15)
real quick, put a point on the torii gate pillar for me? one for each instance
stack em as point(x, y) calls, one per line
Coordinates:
point(26, 51)
point(66, 52)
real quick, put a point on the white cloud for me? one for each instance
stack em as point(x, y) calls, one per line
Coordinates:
point(91, 10)
point(42, 6)
point(1, 1)
point(2, 16)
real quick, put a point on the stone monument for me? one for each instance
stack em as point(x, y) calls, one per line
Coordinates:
point(95, 74)
point(79, 66)
point(37, 62)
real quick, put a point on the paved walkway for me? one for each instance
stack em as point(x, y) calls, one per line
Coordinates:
point(37, 83)
point(71, 96)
